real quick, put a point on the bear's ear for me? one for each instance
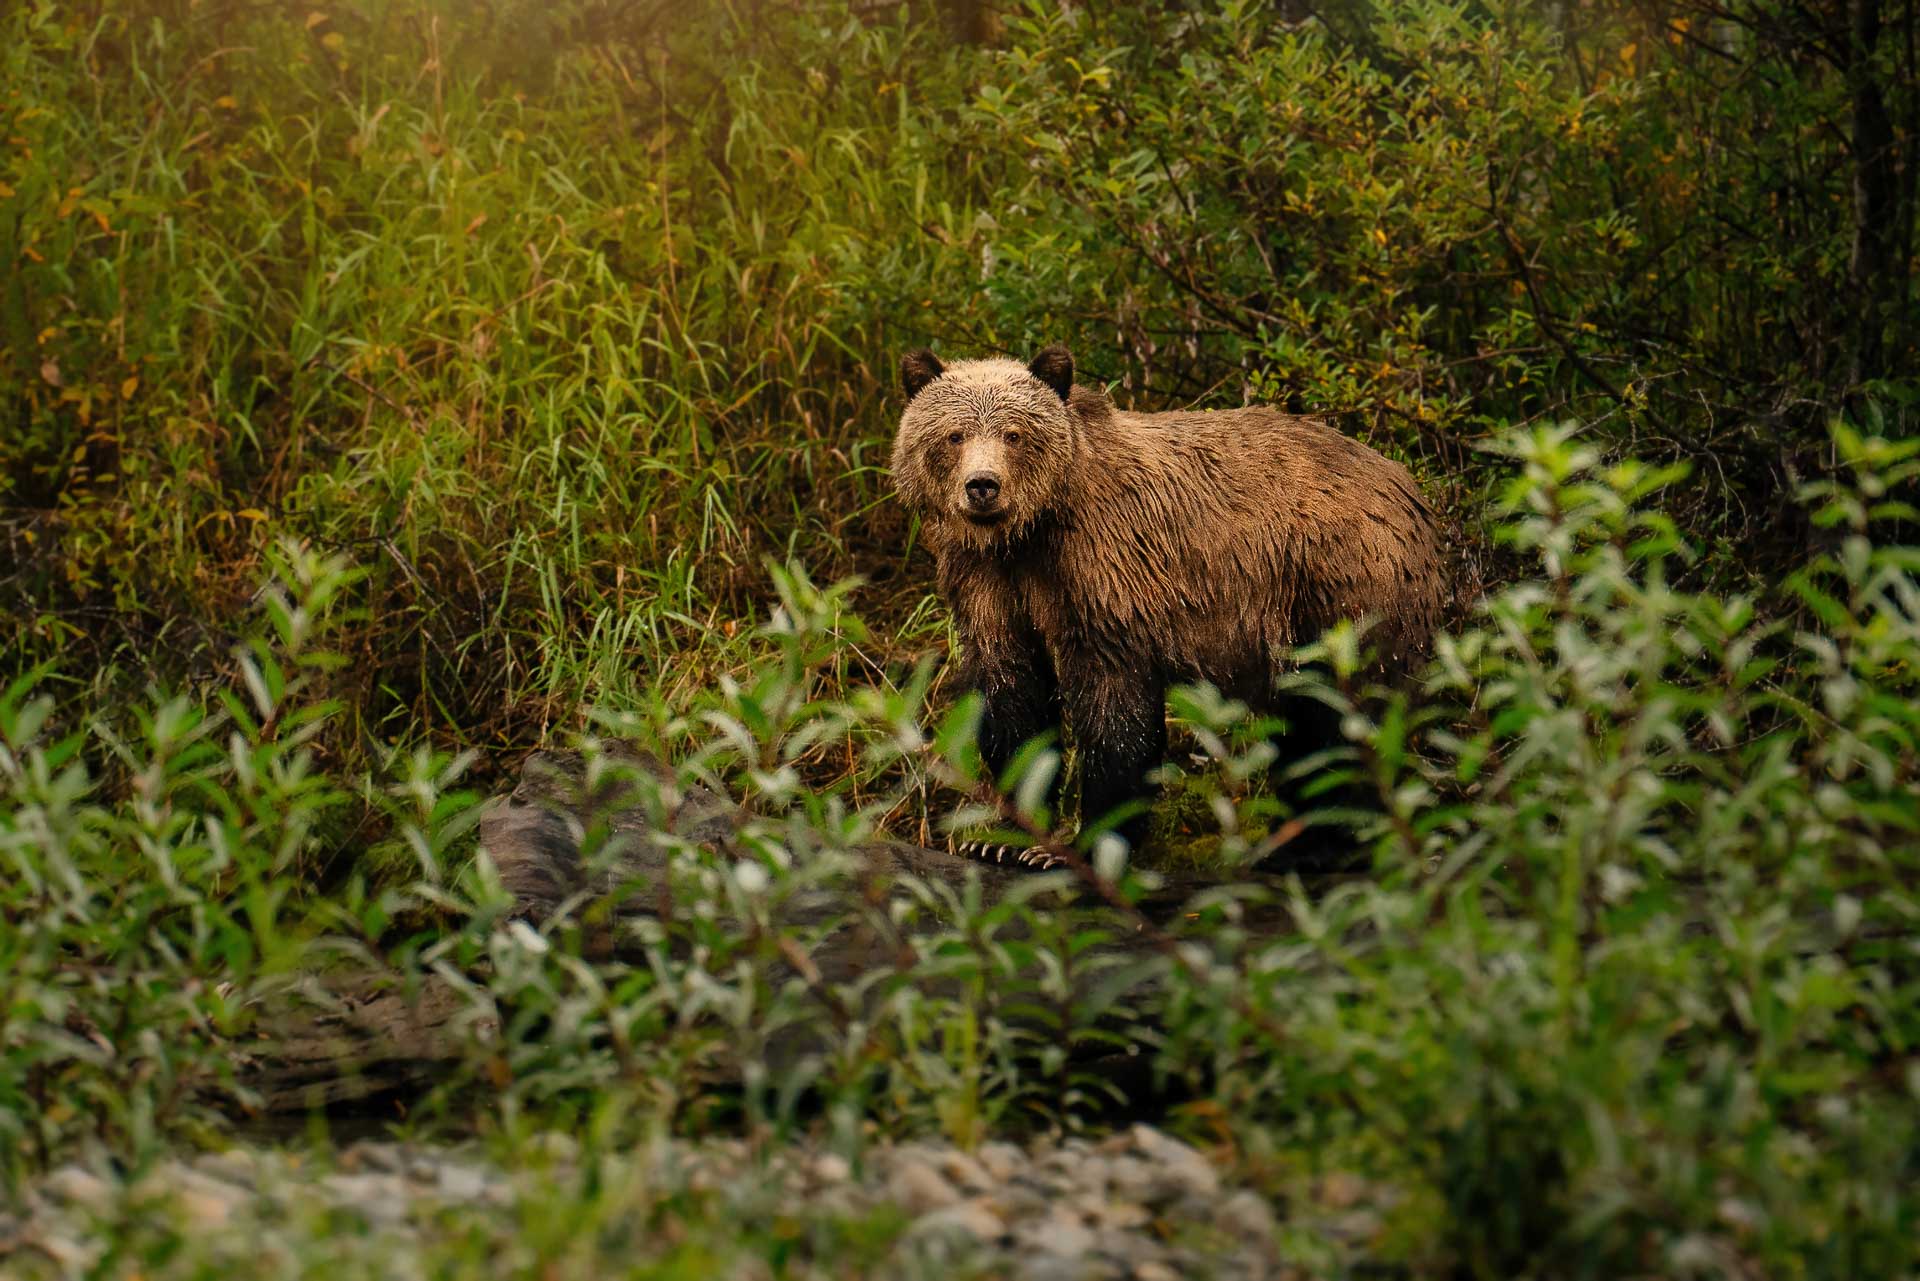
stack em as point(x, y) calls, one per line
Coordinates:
point(918, 368)
point(1054, 367)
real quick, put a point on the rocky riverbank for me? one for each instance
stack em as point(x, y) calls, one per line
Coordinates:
point(1137, 1205)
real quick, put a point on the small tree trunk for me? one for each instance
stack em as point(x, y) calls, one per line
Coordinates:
point(973, 21)
point(1877, 268)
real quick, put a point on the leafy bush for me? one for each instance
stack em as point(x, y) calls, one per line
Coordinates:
point(557, 372)
point(559, 319)
point(1448, 221)
point(1631, 985)
point(505, 343)
point(141, 918)
point(1639, 945)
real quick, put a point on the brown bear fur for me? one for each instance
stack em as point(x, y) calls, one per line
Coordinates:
point(1103, 555)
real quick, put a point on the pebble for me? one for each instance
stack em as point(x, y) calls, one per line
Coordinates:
point(72, 1184)
point(204, 1212)
point(68, 1252)
point(1061, 1267)
point(1247, 1215)
point(918, 1187)
point(965, 1172)
point(236, 1166)
point(1000, 1160)
point(1115, 1216)
point(385, 1157)
point(1131, 1178)
point(462, 1183)
point(206, 1201)
point(383, 1198)
point(1195, 1179)
point(561, 1149)
point(974, 1219)
point(1140, 1205)
point(1059, 1233)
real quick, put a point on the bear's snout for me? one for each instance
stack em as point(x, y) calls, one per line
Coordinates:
point(984, 476)
point(983, 491)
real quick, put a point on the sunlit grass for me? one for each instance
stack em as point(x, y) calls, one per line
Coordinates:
point(390, 388)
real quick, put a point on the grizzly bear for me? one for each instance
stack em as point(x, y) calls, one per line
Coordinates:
point(1092, 556)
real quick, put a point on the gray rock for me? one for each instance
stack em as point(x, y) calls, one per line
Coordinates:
point(561, 1149)
point(1060, 1211)
point(384, 1199)
point(1063, 1160)
point(1109, 1215)
point(1091, 1173)
point(1246, 1215)
point(1047, 1267)
point(1060, 1232)
point(918, 1188)
point(965, 1172)
point(206, 1202)
point(1132, 1179)
point(1023, 1197)
point(74, 1256)
point(367, 1155)
point(831, 1168)
point(974, 1219)
point(462, 1182)
point(76, 1186)
point(1195, 1178)
point(1000, 1160)
point(238, 1166)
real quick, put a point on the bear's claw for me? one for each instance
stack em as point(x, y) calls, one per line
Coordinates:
point(1038, 859)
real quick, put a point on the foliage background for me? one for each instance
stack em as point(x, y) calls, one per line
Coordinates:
point(560, 319)
point(389, 387)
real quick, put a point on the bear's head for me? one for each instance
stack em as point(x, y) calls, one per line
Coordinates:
point(985, 446)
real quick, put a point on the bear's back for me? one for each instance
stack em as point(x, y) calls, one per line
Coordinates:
point(1216, 532)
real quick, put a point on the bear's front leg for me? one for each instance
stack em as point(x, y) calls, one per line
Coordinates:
point(1014, 677)
point(1010, 670)
point(1119, 724)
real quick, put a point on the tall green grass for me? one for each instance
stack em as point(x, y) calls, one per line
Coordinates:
point(388, 386)
point(561, 319)
point(559, 372)
point(1630, 984)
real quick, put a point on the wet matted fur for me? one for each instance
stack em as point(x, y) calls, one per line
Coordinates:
point(1092, 556)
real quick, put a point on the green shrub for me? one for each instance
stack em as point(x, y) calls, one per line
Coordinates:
point(559, 319)
point(1631, 985)
point(506, 343)
point(144, 914)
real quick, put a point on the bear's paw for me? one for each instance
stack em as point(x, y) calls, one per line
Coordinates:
point(1038, 859)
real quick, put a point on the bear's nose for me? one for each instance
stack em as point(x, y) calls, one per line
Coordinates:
point(982, 488)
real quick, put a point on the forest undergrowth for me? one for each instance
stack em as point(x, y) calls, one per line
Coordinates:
point(389, 389)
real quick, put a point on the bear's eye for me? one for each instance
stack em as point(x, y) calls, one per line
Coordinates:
point(1013, 438)
point(953, 438)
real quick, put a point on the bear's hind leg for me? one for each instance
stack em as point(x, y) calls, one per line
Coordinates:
point(1313, 728)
